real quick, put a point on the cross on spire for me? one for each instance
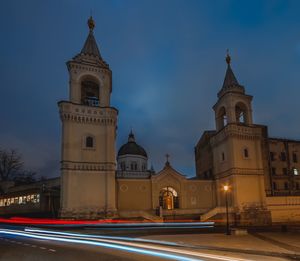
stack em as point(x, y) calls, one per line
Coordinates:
point(167, 156)
point(228, 58)
point(167, 159)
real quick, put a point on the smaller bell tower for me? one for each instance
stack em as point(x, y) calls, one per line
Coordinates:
point(88, 158)
point(237, 150)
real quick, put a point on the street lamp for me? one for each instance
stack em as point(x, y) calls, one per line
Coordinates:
point(226, 189)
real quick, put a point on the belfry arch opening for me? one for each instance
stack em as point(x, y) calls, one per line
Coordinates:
point(89, 92)
point(221, 118)
point(168, 198)
point(241, 113)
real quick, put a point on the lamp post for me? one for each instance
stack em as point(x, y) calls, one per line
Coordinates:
point(226, 188)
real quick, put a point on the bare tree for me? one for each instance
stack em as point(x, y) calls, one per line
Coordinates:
point(11, 164)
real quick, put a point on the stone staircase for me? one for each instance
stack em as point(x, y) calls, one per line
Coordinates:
point(214, 212)
point(148, 215)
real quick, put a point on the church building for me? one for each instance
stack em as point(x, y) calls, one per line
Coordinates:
point(97, 182)
point(238, 163)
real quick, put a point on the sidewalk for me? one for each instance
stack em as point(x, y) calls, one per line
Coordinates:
point(270, 244)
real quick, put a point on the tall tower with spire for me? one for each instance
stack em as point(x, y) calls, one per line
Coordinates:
point(88, 136)
point(237, 149)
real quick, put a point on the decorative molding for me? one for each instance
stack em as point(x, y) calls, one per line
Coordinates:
point(237, 131)
point(86, 166)
point(87, 114)
point(124, 188)
point(240, 172)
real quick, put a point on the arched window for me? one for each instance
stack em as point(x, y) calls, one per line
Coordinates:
point(223, 156)
point(123, 166)
point(221, 118)
point(241, 113)
point(89, 93)
point(246, 153)
point(89, 142)
point(168, 198)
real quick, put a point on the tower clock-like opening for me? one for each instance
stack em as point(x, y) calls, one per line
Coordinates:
point(89, 93)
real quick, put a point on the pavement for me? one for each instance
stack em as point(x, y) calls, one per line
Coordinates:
point(269, 244)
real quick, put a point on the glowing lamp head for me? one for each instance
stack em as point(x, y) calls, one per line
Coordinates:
point(226, 188)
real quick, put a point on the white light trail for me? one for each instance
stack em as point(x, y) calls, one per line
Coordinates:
point(136, 245)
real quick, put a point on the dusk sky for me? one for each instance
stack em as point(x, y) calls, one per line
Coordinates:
point(168, 63)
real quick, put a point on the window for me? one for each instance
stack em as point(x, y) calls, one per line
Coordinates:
point(122, 165)
point(284, 171)
point(273, 171)
point(33, 198)
point(295, 158)
point(297, 186)
point(274, 185)
point(286, 185)
point(272, 156)
point(223, 156)
point(283, 156)
point(246, 153)
point(89, 142)
point(133, 165)
point(295, 172)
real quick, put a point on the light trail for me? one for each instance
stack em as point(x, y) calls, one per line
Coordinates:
point(112, 242)
point(96, 223)
point(107, 245)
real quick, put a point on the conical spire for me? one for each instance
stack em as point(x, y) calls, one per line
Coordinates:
point(230, 81)
point(90, 53)
point(90, 46)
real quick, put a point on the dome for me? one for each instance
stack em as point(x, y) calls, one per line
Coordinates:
point(132, 148)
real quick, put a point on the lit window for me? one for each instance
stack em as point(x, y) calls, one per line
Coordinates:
point(295, 171)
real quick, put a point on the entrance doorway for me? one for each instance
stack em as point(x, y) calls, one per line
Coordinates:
point(168, 198)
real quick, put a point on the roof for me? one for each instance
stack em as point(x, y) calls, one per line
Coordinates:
point(230, 83)
point(90, 53)
point(230, 78)
point(90, 46)
point(132, 148)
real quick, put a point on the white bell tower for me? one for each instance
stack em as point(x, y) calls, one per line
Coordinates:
point(88, 137)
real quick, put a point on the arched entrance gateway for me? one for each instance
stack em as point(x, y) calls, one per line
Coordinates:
point(168, 198)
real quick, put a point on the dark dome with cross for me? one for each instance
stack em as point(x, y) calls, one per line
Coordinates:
point(132, 148)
